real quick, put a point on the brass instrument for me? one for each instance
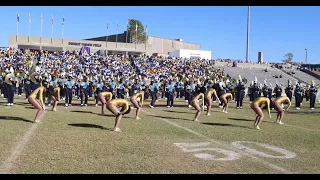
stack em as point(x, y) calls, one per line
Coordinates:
point(224, 79)
point(245, 80)
point(9, 78)
point(20, 73)
point(33, 77)
point(233, 81)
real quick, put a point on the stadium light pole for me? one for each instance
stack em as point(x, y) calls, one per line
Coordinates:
point(306, 55)
point(248, 32)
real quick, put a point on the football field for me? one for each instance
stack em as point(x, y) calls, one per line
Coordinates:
point(79, 139)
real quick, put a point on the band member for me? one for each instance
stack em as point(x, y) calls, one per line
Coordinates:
point(113, 106)
point(313, 94)
point(68, 88)
point(55, 96)
point(36, 99)
point(120, 89)
point(104, 97)
point(307, 92)
point(265, 89)
point(209, 95)
point(84, 92)
point(170, 93)
point(256, 106)
point(137, 101)
point(10, 87)
point(289, 90)
point(278, 107)
point(189, 93)
point(255, 89)
point(225, 98)
point(240, 93)
point(195, 104)
point(298, 95)
point(278, 90)
point(152, 89)
point(98, 88)
point(20, 86)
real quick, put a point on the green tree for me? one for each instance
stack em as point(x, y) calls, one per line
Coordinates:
point(141, 34)
point(288, 58)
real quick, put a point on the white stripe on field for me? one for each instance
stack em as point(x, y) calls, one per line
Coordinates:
point(285, 124)
point(15, 152)
point(224, 145)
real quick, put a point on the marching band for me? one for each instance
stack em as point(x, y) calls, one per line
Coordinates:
point(112, 89)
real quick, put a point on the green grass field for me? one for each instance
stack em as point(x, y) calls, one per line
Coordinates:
point(165, 140)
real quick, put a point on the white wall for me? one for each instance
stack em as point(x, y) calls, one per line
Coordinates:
point(186, 53)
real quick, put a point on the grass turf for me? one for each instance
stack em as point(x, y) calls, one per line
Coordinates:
point(79, 140)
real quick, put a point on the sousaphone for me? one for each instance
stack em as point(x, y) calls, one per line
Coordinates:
point(245, 80)
point(233, 81)
point(34, 76)
point(9, 78)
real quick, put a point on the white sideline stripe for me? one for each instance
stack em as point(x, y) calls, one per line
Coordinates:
point(15, 152)
point(285, 124)
point(224, 145)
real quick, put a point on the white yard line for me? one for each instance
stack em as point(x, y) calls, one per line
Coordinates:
point(224, 145)
point(285, 124)
point(16, 151)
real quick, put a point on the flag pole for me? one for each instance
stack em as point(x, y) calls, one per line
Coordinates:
point(127, 37)
point(117, 35)
point(29, 24)
point(52, 29)
point(248, 34)
point(146, 37)
point(18, 18)
point(41, 32)
point(136, 34)
point(62, 28)
point(107, 33)
point(29, 28)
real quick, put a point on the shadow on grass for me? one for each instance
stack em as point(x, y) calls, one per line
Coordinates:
point(180, 112)
point(174, 105)
point(240, 119)
point(14, 118)
point(22, 103)
point(170, 118)
point(86, 112)
point(229, 125)
point(303, 112)
point(30, 107)
point(85, 125)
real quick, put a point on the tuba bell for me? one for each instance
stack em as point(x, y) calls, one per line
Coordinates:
point(33, 77)
point(233, 81)
point(245, 80)
point(9, 78)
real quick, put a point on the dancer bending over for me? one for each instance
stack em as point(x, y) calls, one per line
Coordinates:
point(104, 97)
point(225, 99)
point(113, 106)
point(278, 107)
point(36, 99)
point(195, 104)
point(55, 97)
point(209, 99)
point(137, 101)
point(256, 106)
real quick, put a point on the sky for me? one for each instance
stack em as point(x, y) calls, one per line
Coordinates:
point(274, 30)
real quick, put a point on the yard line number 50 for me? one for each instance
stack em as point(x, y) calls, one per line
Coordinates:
point(229, 155)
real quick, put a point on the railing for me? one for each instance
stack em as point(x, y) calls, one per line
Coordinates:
point(294, 76)
point(311, 73)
